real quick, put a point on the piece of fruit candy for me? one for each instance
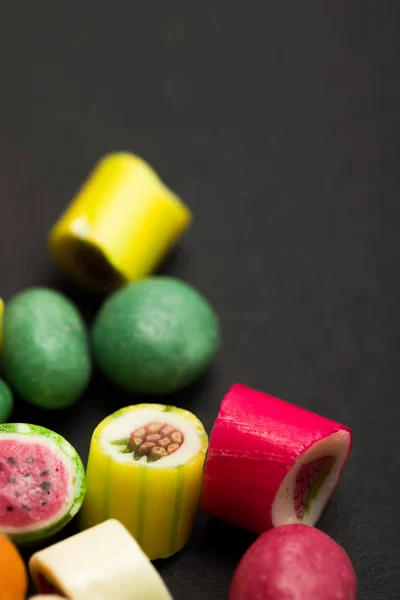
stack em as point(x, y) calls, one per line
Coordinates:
point(155, 336)
point(13, 575)
point(294, 562)
point(46, 353)
point(120, 226)
point(6, 401)
point(270, 462)
point(1, 321)
point(46, 597)
point(101, 563)
point(42, 482)
point(145, 469)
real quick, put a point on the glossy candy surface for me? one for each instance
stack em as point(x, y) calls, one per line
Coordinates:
point(145, 469)
point(270, 462)
point(13, 575)
point(120, 226)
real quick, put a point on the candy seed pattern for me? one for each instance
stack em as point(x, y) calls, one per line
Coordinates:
point(30, 486)
point(154, 440)
point(306, 479)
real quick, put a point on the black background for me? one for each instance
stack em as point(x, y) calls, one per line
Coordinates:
point(278, 123)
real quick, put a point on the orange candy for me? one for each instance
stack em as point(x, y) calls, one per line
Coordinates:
point(13, 575)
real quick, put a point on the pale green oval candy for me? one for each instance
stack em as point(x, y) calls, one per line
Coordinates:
point(155, 336)
point(46, 354)
point(6, 401)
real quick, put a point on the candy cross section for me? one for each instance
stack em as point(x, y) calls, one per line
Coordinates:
point(145, 469)
point(270, 462)
point(155, 441)
point(42, 482)
point(102, 563)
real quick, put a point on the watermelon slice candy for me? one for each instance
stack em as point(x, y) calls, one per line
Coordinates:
point(42, 482)
point(271, 463)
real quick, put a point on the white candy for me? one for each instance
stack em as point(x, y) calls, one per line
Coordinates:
point(46, 597)
point(101, 563)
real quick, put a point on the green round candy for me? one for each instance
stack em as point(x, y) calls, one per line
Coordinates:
point(46, 354)
point(155, 336)
point(6, 401)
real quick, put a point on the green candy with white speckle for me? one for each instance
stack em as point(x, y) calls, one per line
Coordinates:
point(155, 336)
point(6, 402)
point(46, 355)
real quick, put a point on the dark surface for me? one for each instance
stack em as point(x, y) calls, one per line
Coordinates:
point(278, 123)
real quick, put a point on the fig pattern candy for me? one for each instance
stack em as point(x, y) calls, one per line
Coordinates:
point(270, 462)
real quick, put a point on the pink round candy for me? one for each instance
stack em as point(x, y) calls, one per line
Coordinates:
point(294, 562)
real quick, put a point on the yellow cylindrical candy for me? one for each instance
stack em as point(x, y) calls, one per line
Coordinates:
point(120, 226)
point(145, 469)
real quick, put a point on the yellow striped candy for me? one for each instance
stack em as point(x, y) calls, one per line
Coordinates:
point(156, 503)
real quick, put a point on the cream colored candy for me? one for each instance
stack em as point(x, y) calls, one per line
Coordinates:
point(101, 563)
point(46, 597)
